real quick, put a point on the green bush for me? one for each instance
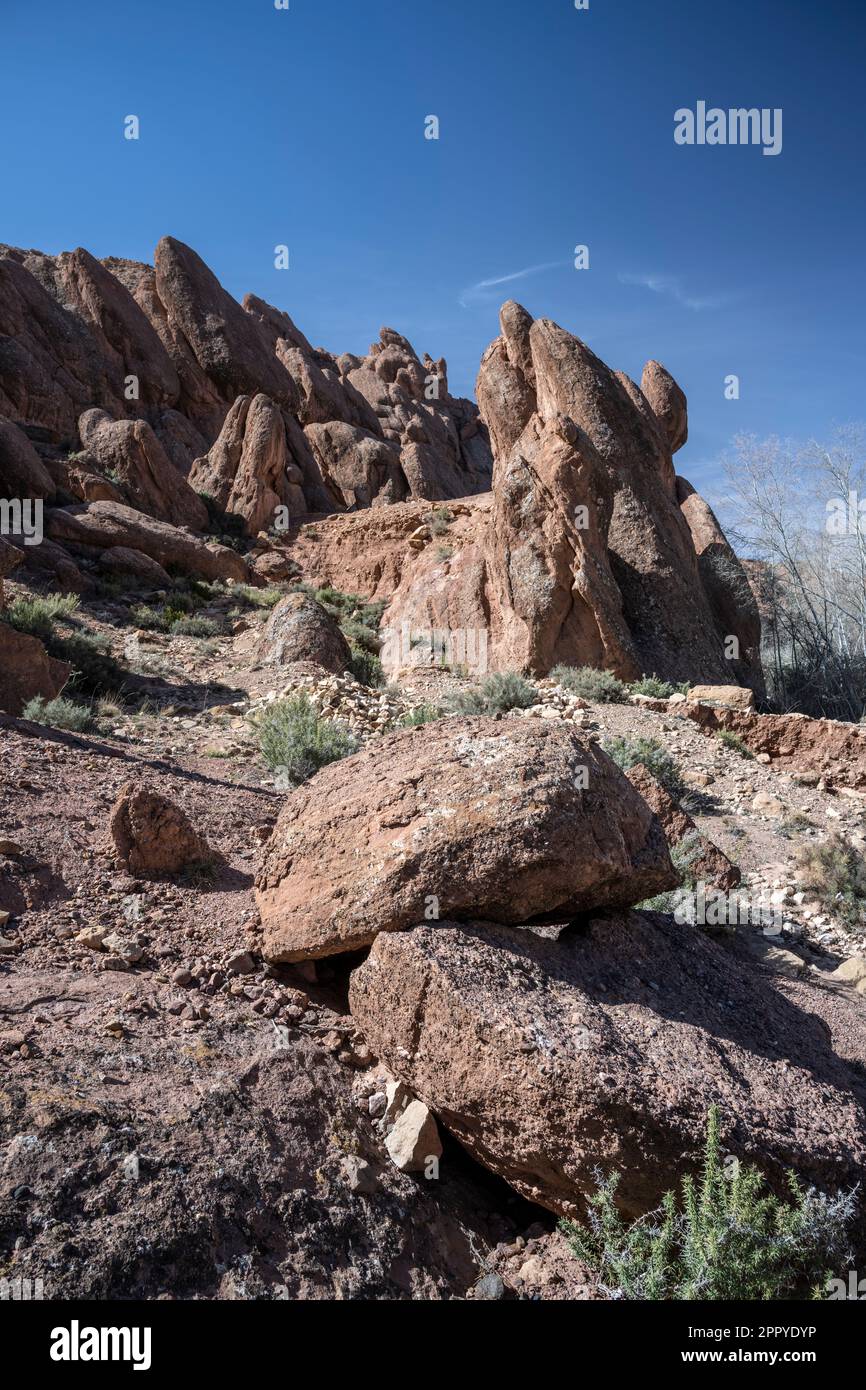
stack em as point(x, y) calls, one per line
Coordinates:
point(735, 743)
point(177, 617)
point(657, 688)
point(294, 739)
point(683, 856)
point(196, 626)
point(366, 667)
point(37, 614)
point(358, 634)
point(94, 668)
point(727, 1240)
point(150, 619)
point(499, 693)
point(626, 752)
point(60, 714)
point(422, 714)
point(835, 872)
point(439, 521)
point(256, 598)
point(601, 687)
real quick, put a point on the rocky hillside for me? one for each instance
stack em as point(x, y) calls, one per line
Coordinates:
point(139, 400)
point(233, 397)
point(313, 986)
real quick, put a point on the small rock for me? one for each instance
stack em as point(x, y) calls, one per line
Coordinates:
point(360, 1175)
point(489, 1288)
point(241, 963)
point(414, 1139)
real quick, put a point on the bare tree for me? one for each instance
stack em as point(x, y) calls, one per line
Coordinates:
point(799, 510)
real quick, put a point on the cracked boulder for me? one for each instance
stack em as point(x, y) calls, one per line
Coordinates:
point(503, 819)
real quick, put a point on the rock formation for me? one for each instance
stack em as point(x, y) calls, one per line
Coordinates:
point(167, 347)
point(594, 553)
point(707, 862)
point(300, 629)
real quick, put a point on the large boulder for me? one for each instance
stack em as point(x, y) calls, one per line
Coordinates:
point(26, 670)
point(551, 1060)
point(135, 566)
point(97, 526)
point(506, 819)
point(729, 696)
point(300, 629)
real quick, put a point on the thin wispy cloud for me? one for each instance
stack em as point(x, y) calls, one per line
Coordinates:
point(672, 285)
point(482, 290)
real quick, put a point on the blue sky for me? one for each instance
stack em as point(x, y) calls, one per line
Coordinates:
point(306, 127)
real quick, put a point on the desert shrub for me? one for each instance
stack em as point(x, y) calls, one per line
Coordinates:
point(359, 634)
point(735, 743)
point(150, 619)
point(365, 666)
point(835, 872)
point(177, 617)
point(257, 598)
point(444, 552)
point(499, 693)
point(94, 668)
point(196, 626)
point(294, 739)
point(348, 606)
point(439, 520)
point(422, 714)
point(601, 687)
point(795, 823)
point(37, 614)
point(656, 687)
point(60, 714)
point(627, 752)
point(727, 1239)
